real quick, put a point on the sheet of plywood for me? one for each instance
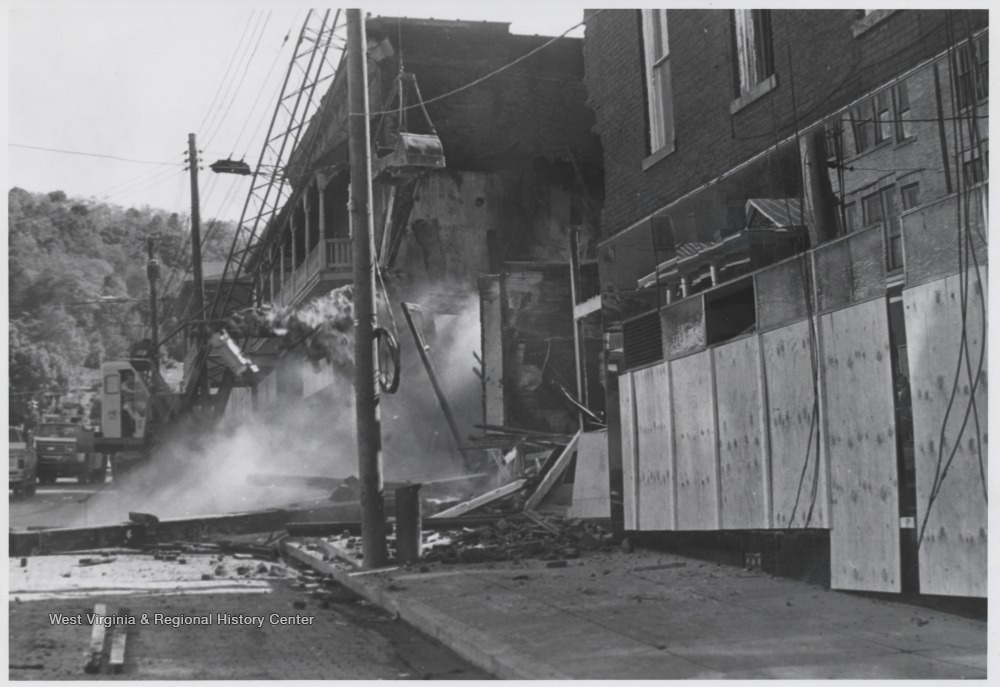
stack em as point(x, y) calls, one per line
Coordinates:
point(630, 493)
point(952, 554)
point(654, 439)
point(591, 481)
point(798, 475)
point(742, 460)
point(860, 422)
point(694, 442)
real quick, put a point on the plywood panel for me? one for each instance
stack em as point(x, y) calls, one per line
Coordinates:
point(741, 442)
point(591, 482)
point(952, 554)
point(860, 422)
point(630, 493)
point(798, 474)
point(655, 442)
point(694, 442)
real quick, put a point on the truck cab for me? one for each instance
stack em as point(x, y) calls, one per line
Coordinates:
point(61, 455)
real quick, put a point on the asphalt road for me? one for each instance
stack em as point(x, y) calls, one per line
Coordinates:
point(62, 504)
point(346, 638)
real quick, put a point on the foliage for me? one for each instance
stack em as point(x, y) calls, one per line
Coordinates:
point(65, 255)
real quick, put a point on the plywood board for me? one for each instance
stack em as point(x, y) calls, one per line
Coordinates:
point(798, 474)
point(492, 349)
point(742, 472)
point(694, 442)
point(860, 422)
point(953, 552)
point(655, 442)
point(630, 493)
point(591, 482)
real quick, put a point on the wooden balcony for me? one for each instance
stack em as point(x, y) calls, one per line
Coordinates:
point(330, 264)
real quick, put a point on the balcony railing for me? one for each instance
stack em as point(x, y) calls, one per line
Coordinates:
point(336, 256)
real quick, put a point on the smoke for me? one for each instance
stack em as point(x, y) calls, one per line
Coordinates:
point(198, 471)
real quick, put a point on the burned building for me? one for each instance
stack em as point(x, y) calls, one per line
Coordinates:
point(484, 163)
point(793, 274)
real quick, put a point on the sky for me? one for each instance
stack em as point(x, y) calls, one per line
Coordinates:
point(130, 80)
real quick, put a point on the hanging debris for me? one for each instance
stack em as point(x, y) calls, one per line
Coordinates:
point(323, 327)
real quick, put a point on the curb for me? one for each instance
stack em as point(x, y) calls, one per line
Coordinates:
point(486, 653)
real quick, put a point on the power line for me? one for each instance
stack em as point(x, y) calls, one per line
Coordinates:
point(218, 91)
point(76, 152)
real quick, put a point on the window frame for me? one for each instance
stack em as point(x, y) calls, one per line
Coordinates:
point(658, 80)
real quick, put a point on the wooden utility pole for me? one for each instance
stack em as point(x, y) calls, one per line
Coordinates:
point(199, 289)
point(373, 529)
point(153, 273)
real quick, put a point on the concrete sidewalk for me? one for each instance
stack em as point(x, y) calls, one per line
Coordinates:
point(650, 615)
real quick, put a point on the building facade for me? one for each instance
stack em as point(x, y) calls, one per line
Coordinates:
point(477, 187)
point(793, 276)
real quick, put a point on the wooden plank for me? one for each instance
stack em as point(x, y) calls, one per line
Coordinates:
point(741, 446)
point(119, 637)
point(655, 473)
point(798, 470)
point(630, 492)
point(864, 539)
point(591, 482)
point(554, 473)
point(694, 442)
point(492, 348)
point(953, 553)
point(481, 500)
point(97, 632)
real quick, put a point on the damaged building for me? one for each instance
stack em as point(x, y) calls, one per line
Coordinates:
point(478, 193)
point(793, 276)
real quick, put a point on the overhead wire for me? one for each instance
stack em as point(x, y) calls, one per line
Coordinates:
point(218, 89)
point(86, 154)
point(239, 86)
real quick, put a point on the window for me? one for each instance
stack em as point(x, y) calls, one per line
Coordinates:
point(883, 116)
point(871, 210)
point(901, 101)
point(111, 384)
point(658, 87)
point(850, 218)
point(972, 170)
point(910, 195)
point(881, 209)
point(753, 47)
point(862, 126)
point(972, 71)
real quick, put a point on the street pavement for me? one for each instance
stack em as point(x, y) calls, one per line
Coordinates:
point(654, 615)
point(333, 635)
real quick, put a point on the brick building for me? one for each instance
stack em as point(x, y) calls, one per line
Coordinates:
point(792, 270)
point(480, 174)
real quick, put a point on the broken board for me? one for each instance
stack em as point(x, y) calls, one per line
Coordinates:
point(953, 553)
point(630, 492)
point(694, 442)
point(742, 446)
point(655, 446)
point(481, 500)
point(798, 470)
point(860, 422)
point(554, 473)
point(592, 481)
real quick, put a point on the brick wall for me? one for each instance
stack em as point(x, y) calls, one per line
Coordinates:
point(815, 49)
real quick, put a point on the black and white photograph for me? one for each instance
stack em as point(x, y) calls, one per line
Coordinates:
point(499, 340)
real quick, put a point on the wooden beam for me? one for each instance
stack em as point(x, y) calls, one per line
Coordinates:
point(479, 501)
point(96, 640)
point(553, 474)
point(587, 307)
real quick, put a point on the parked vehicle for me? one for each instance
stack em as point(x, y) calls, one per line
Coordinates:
point(61, 455)
point(23, 463)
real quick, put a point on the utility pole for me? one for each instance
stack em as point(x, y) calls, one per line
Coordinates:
point(199, 290)
point(373, 528)
point(153, 273)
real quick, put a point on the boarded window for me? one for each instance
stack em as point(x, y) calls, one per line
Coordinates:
point(643, 341)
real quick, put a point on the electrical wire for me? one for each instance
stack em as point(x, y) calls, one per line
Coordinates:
point(485, 77)
point(100, 155)
point(243, 77)
point(225, 75)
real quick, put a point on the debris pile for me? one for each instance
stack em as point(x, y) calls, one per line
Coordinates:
point(511, 539)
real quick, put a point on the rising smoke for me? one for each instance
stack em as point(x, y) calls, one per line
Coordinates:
point(197, 471)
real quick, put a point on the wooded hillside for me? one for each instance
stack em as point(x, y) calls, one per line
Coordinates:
point(65, 254)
